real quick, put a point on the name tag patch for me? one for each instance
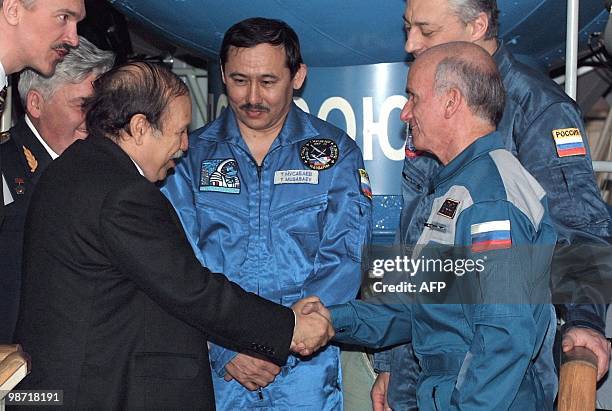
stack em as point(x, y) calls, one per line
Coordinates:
point(449, 208)
point(569, 142)
point(492, 235)
point(220, 176)
point(296, 177)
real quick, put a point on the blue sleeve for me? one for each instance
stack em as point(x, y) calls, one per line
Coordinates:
point(506, 336)
point(179, 190)
point(576, 207)
point(346, 228)
point(382, 361)
point(417, 174)
point(372, 325)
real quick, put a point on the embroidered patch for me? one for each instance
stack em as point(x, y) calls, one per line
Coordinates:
point(449, 208)
point(296, 177)
point(492, 235)
point(364, 181)
point(32, 162)
point(569, 142)
point(220, 176)
point(319, 154)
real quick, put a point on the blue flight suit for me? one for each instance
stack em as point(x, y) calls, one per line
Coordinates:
point(289, 228)
point(536, 109)
point(476, 356)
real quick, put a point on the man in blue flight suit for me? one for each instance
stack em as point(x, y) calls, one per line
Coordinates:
point(539, 124)
point(473, 356)
point(279, 201)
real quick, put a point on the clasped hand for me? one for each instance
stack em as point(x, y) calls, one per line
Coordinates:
point(313, 328)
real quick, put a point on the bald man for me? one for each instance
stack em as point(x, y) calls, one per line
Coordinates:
point(479, 354)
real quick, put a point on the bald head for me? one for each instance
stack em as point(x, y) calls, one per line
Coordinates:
point(470, 69)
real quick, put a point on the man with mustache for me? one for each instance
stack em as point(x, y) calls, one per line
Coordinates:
point(116, 310)
point(279, 201)
point(36, 34)
point(54, 119)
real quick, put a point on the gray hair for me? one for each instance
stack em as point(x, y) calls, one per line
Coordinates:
point(26, 3)
point(480, 84)
point(468, 10)
point(79, 63)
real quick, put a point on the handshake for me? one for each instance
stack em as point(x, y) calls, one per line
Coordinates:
point(313, 326)
point(313, 330)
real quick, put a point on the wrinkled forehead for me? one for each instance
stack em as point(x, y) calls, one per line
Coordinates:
point(74, 8)
point(428, 12)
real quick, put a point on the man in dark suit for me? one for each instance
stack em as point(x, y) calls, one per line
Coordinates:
point(54, 119)
point(116, 309)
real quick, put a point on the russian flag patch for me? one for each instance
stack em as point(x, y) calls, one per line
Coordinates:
point(569, 142)
point(364, 181)
point(492, 235)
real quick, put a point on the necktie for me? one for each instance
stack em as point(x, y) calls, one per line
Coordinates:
point(2, 99)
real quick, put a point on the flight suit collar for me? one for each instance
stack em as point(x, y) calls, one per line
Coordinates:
point(477, 149)
point(503, 59)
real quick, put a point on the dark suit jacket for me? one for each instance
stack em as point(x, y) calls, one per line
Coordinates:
point(116, 309)
point(21, 181)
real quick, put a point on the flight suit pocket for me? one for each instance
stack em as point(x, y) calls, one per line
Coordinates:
point(359, 226)
point(574, 198)
point(299, 223)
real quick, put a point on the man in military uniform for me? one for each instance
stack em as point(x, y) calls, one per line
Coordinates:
point(36, 34)
point(54, 119)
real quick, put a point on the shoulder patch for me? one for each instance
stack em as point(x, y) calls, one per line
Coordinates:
point(220, 176)
point(569, 142)
point(319, 153)
point(364, 183)
point(449, 208)
point(491, 235)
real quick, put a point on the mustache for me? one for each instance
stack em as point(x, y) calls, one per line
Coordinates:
point(178, 154)
point(257, 107)
point(63, 46)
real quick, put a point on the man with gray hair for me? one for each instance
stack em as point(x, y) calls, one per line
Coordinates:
point(544, 129)
point(476, 343)
point(54, 119)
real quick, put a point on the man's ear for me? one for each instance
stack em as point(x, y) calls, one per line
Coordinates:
point(452, 102)
point(222, 73)
point(138, 128)
point(479, 27)
point(300, 76)
point(35, 103)
point(11, 11)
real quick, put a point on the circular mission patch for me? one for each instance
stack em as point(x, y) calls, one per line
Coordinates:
point(319, 153)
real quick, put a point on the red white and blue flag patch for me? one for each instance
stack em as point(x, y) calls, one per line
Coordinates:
point(364, 181)
point(492, 235)
point(569, 142)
